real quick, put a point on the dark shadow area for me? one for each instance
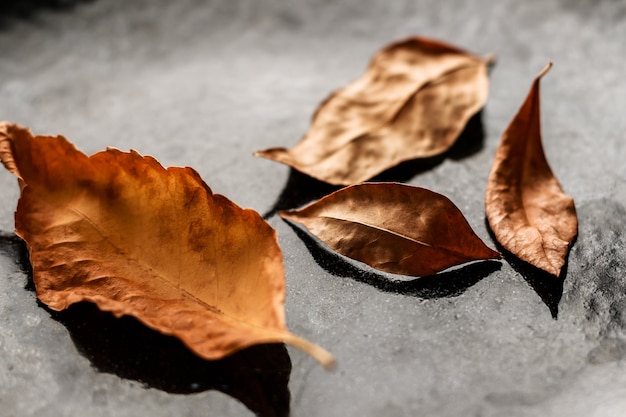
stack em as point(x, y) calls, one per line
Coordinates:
point(257, 376)
point(28, 9)
point(444, 284)
point(547, 286)
point(471, 141)
point(16, 248)
point(301, 189)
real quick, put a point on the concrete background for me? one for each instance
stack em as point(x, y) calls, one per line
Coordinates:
point(205, 84)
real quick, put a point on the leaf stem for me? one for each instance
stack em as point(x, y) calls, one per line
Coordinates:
point(318, 353)
point(544, 70)
point(490, 59)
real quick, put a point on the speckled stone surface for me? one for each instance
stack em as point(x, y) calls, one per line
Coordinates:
point(205, 84)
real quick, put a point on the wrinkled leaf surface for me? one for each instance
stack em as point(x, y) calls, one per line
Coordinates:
point(119, 230)
point(393, 227)
point(526, 207)
point(413, 101)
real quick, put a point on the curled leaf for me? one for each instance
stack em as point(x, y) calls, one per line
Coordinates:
point(413, 102)
point(119, 230)
point(526, 207)
point(393, 227)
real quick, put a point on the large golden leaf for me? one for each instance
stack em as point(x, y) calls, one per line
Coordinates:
point(393, 227)
point(413, 101)
point(528, 211)
point(119, 230)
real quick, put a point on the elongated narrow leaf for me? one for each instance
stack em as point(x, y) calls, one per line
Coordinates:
point(119, 230)
point(528, 211)
point(393, 227)
point(412, 102)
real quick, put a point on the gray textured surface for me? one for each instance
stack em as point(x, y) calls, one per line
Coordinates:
point(205, 84)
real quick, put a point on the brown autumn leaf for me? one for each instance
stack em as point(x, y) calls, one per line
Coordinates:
point(413, 102)
point(119, 230)
point(526, 207)
point(393, 227)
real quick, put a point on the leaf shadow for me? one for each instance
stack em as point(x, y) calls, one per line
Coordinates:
point(548, 287)
point(301, 189)
point(257, 376)
point(442, 285)
point(28, 9)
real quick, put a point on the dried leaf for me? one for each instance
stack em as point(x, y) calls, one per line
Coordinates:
point(119, 230)
point(413, 101)
point(527, 210)
point(393, 227)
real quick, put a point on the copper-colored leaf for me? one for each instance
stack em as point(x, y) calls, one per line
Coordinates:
point(119, 230)
point(412, 102)
point(528, 211)
point(393, 227)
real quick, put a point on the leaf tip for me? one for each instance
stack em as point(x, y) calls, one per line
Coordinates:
point(490, 59)
point(495, 254)
point(7, 151)
point(554, 268)
point(545, 70)
point(287, 214)
point(490, 254)
point(271, 153)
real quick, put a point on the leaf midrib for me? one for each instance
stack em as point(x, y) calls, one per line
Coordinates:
point(162, 278)
point(398, 234)
point(524, 168)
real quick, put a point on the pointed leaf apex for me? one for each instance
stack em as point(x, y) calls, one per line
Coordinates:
point(545, 70)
